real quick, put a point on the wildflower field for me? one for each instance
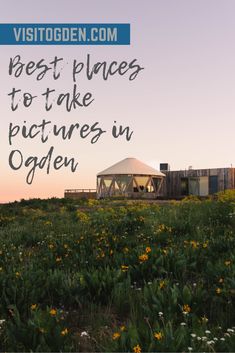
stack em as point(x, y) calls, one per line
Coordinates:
point(118, 276)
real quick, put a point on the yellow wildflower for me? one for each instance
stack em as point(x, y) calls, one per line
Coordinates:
point(204, 319)
point(124, 268)
point(66, 246)
point(194, 244)
point(162, 284)
point(148, 249)
point(48, 223)
point(42, 330)
point(158, 335)
point(58, 259)
point(137, 349)
point(218, 290)
point(122, 328)
point(50, 246)
point(116, 335)
point(17, 274)
point(221, 280)
point(33, 306)
point(83, 217)
point(186, 308)
point(53, 312)
point(205, 245)
point(62, 209)
point(143, 257)
point(64, 332)
point(161, 227)
point(227, 263)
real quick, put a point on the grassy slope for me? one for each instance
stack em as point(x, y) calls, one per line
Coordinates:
point(130, 275)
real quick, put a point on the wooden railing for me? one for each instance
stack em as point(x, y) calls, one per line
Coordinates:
point(79, 190)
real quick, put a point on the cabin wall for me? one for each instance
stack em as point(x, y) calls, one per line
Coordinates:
point(200, 182)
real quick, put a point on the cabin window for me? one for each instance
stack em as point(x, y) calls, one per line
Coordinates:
point(204, 186)
point(108, 181)
point(213, 184)
point(142, 182)
point(156, 183)
point(124, 182)
point(184, 186)
point(193, 186)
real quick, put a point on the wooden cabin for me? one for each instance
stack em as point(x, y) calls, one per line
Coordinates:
point(198, 182)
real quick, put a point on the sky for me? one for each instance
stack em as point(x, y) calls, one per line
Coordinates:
point(181, 107)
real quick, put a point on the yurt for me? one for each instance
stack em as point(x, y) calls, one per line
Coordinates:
point(129, 178)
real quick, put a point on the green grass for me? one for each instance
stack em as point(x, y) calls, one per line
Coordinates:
point(118, 276)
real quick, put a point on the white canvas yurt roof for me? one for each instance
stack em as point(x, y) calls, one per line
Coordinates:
point(131, 166)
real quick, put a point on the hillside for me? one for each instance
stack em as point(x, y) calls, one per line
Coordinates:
point(113, 276)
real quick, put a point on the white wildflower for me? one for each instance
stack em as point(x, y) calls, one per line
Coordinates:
point(210, 342)
point(84, 334)
point(230, 330)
